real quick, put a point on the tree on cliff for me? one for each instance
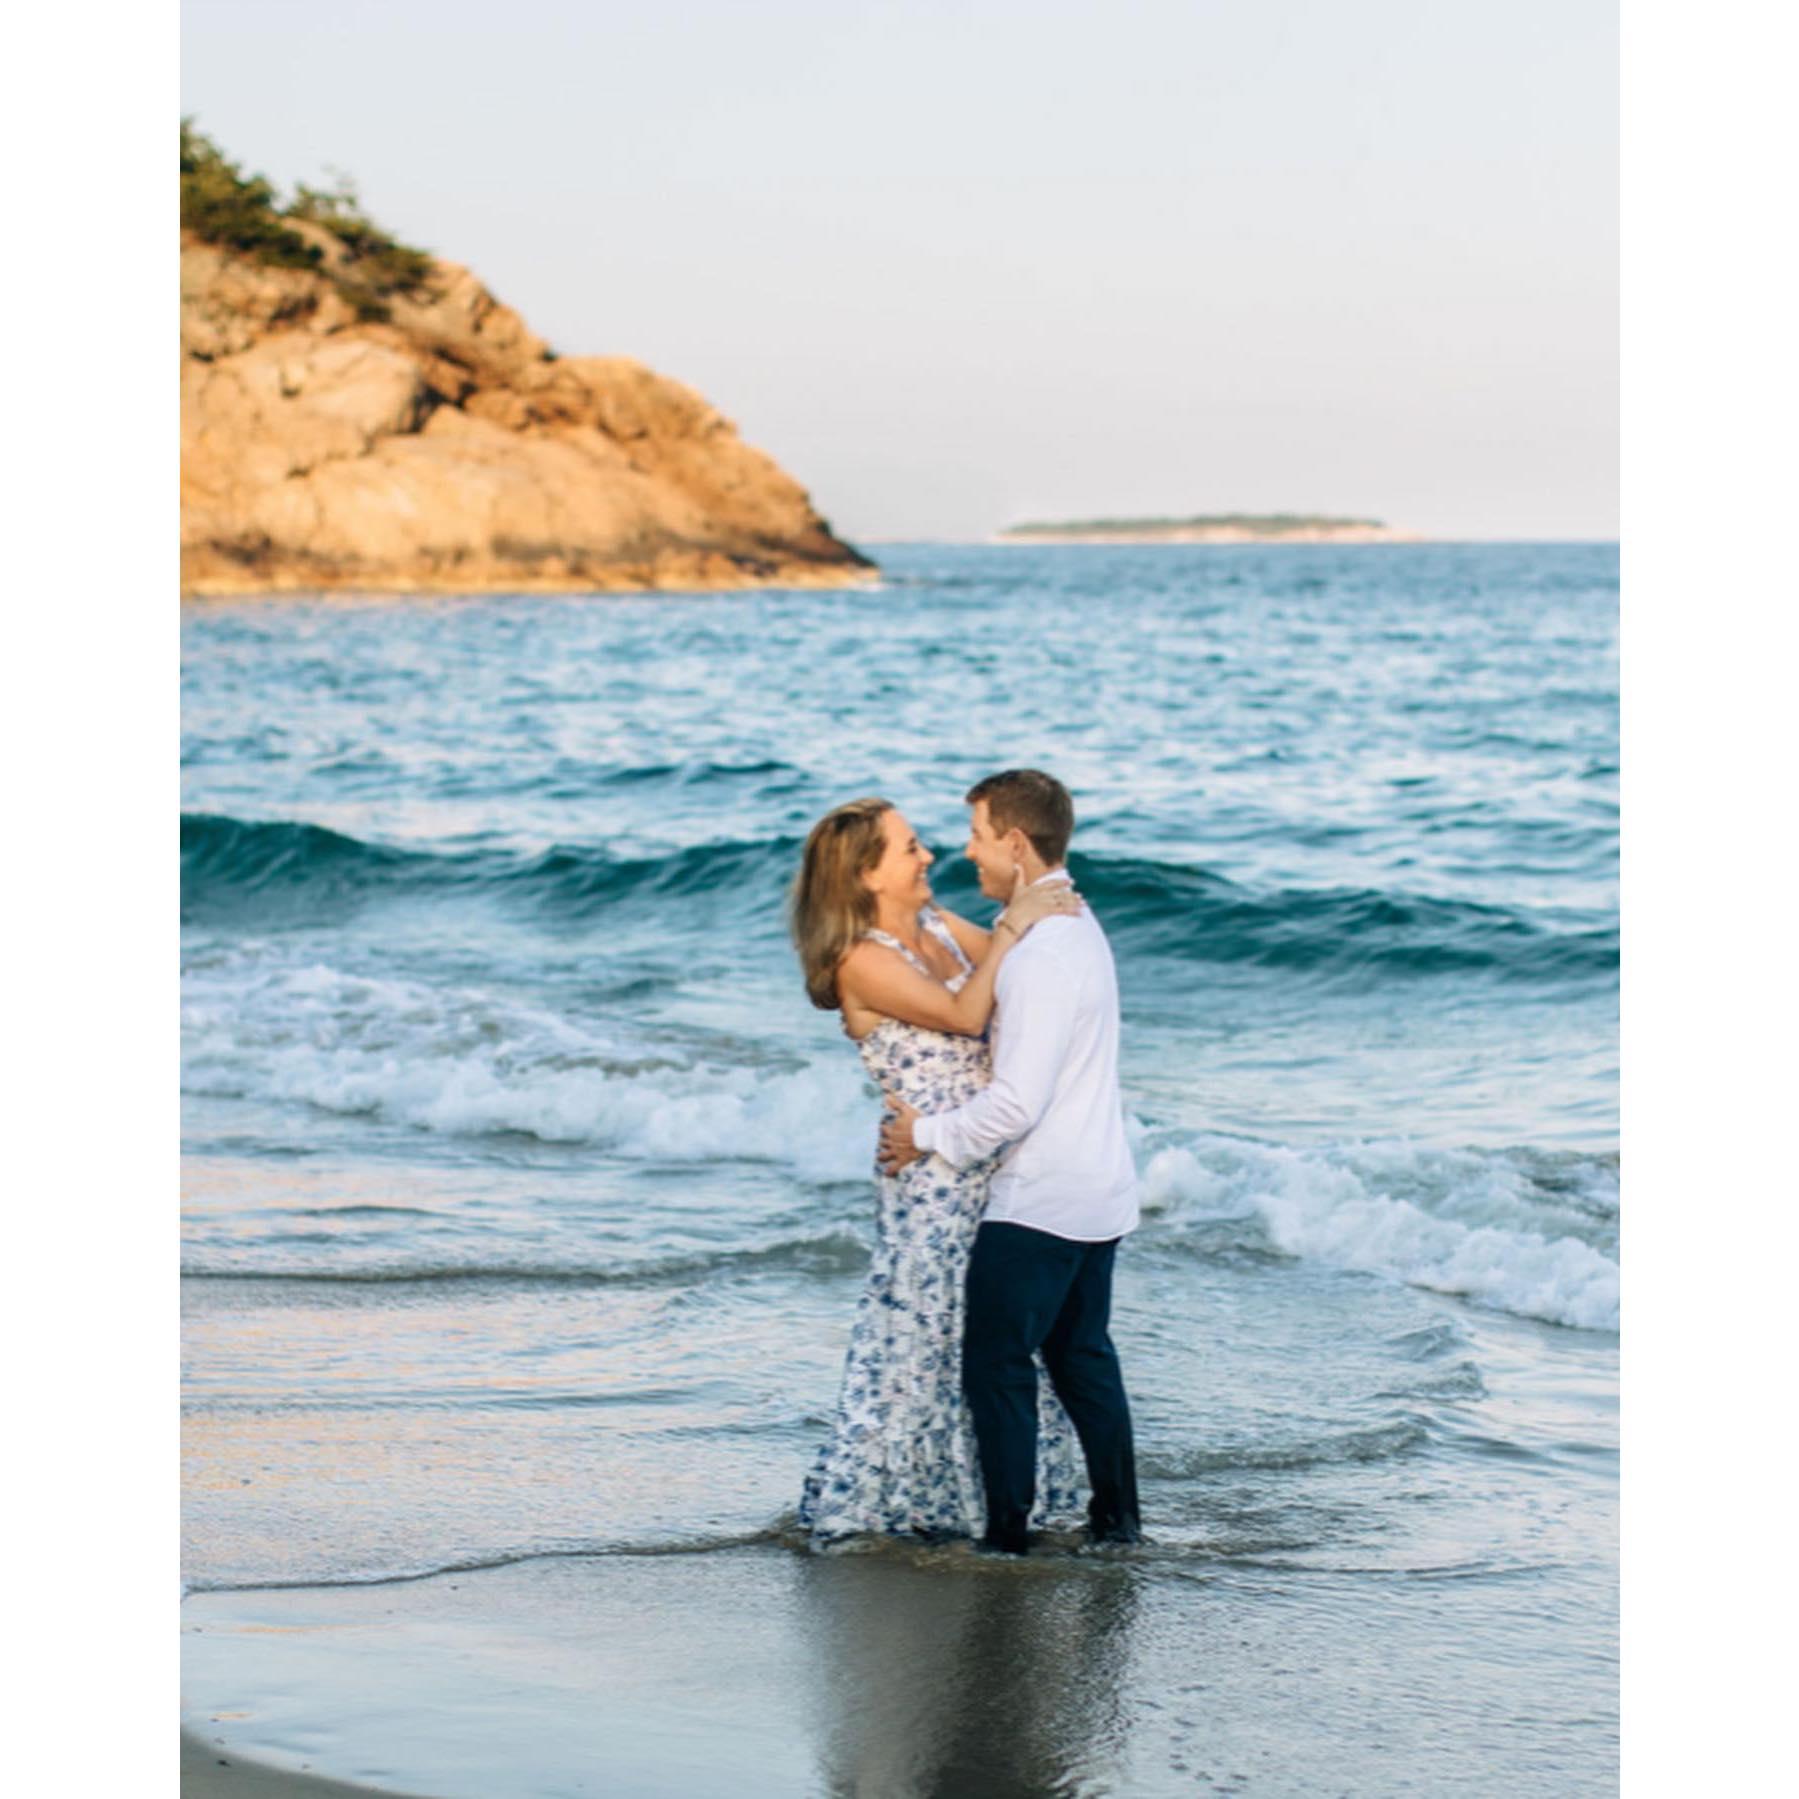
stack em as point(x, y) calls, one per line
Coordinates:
point(222, 205)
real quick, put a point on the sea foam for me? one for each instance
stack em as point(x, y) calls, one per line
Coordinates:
point(1520, 1231)
point(462, 1062)
point(1513, 1230)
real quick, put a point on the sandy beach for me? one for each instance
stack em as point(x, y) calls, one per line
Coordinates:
point(759, 1671)
point(209, 1771)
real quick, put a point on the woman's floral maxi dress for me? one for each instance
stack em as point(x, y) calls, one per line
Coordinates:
point(901, 1459)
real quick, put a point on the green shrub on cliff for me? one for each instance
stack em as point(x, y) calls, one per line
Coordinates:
point(379, 263)
point(225, 206)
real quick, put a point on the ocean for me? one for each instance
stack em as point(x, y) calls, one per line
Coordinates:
point(526, 1197)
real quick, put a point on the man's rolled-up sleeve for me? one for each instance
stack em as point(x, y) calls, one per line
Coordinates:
point(1037, 1015)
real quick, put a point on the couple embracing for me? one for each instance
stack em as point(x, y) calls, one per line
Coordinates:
point(980, 1354)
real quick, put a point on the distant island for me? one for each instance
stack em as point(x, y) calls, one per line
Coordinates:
point(359, 414)
point(1215, 527)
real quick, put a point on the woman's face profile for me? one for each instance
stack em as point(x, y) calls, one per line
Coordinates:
point(901, 872)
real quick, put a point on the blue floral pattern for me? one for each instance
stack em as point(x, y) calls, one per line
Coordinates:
point(901, 1460)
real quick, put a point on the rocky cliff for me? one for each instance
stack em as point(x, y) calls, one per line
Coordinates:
point(443, 447)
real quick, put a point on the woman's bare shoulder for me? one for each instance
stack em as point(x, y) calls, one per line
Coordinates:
point(863, 958)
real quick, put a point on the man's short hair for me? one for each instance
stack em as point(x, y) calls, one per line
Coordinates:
point(1036, 803)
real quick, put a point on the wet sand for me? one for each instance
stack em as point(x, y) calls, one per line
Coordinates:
point(758, 1671)
point(209, 1771)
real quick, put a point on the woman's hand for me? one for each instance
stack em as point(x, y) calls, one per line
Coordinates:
point(1031, 905)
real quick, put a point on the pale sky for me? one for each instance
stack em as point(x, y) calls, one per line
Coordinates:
point(960, 265)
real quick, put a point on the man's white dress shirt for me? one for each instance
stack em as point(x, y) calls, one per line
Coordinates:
point(1054, 1096)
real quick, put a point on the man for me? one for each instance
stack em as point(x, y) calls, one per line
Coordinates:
point(1040, 1273)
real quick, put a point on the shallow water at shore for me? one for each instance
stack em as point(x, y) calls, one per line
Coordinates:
point(527, 1200)
point(758, 1671)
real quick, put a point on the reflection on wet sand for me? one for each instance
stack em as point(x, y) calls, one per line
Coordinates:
point(943, 1674)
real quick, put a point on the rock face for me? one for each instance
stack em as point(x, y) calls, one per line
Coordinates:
point(445, 448)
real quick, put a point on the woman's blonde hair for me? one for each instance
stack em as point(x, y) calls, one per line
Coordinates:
point(830, 906)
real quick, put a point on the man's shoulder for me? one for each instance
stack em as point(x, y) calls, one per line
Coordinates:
point(1053, 942)
point(1059, 930)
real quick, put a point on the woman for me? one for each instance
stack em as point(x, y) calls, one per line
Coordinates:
point(915, 986)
